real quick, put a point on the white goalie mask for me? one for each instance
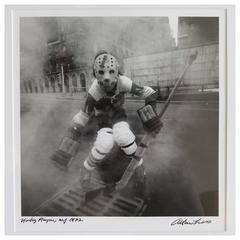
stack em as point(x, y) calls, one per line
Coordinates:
point(106, 71)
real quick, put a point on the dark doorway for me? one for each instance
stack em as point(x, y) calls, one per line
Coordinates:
point(83, 81)
point(66, 82)
point(74, 80)
point(47, 84)
point(52, 82)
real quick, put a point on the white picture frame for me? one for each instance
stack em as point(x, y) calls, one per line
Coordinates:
point(223, 224)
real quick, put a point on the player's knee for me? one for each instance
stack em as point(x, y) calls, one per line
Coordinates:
point(124, 137)
point(104, 141)
point(102, 146)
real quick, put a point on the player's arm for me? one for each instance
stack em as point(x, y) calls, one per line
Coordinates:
point(69, 145)
point(148, 114)
point(80, 120)
point(145, 92)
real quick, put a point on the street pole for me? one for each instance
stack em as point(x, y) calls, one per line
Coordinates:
point(63, 85)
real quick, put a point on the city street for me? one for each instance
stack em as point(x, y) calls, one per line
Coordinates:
point(181, 163)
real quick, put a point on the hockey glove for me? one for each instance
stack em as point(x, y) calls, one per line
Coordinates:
point(150, 119)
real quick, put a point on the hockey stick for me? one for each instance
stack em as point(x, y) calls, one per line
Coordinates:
point(149, 136)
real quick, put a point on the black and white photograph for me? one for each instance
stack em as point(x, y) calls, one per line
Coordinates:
point(96, 93)
point(120, 117)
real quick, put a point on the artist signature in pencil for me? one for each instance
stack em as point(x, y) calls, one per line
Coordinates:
point(186, 221)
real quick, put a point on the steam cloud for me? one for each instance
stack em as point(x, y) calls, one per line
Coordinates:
point(122, 36)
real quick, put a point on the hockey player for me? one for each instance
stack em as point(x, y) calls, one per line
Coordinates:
point(106, 99)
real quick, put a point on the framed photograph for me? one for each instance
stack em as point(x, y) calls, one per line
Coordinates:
point(120, 119)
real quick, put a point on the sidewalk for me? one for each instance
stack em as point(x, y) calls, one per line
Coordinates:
point(197, 98)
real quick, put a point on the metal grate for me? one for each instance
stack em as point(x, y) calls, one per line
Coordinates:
point(113, 205)
point(67, 201)
point(72, 202)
